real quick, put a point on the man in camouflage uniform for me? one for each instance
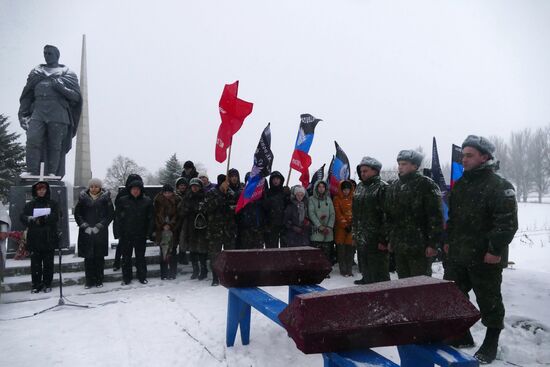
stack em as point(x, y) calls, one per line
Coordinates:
point(414, 216)
point(482, 222)
point(218, 213)
point(368, 223)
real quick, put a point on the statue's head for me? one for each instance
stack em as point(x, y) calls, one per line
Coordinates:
point(51, 54)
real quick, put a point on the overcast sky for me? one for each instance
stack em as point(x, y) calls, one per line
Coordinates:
point(383, 75)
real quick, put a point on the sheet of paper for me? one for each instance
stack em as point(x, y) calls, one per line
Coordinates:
point(40, 212)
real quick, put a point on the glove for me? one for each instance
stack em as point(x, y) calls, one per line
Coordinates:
point(88, 231)
point(326, 231)
point(84, 225)
point(31, 219)
point(95, 230)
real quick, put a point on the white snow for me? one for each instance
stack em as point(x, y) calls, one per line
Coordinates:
point(182, 322)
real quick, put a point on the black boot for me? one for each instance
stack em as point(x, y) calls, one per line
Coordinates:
point(204, 269)
point(464, 341)
point(195, 265)
point(360, 281)
point(488, 350)
point(215, 280)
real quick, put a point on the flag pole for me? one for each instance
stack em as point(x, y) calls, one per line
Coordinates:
point(288, 177)
point(228, 160)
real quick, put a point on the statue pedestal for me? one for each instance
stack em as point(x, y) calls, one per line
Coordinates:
point(21, 193)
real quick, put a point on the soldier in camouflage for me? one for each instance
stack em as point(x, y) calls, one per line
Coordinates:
point(482, 222)
point(218, 213)
point(368, 223)
point(414, 216)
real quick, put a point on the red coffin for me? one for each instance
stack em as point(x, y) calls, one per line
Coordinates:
point(405, 311)
point(271, 267)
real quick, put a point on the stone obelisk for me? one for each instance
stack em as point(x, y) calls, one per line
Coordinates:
point(83, 164)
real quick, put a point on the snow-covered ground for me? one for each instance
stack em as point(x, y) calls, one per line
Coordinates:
point(182, 322)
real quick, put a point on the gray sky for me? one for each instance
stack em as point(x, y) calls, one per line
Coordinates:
point(383, 75)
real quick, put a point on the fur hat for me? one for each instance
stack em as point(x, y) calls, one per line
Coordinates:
point(483, 145)
point(369, 162)
point(95, 182)
point(412, 156)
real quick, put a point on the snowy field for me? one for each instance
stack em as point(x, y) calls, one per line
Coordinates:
point(182, 322)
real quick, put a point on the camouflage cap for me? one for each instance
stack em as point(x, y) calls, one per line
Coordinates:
point(480, 143)
point(196, 181)
point(412, 156)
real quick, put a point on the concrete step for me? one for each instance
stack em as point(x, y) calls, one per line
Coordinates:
point(23, 282)
point(72, 263)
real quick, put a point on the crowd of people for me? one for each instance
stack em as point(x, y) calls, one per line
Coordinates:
point(194, 220)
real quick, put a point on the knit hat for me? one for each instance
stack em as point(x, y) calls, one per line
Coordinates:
point(221, 178)
point(203, 174)
point(188, 164)
point(412, 156)
point(483, 145)
point(167, 188)
point(95, 182)
point(196, 181)
point(182, 180)
point(298, 188)
point(370, 162)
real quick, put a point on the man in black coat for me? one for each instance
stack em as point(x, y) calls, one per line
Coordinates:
point(40, 216)
point(275, 200)
point(133, 225)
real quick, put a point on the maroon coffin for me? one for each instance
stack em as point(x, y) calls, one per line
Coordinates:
point(405, 311)
point(271, 267)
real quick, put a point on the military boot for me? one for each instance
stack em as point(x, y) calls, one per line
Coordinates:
point(215, 280)
point(204, 270)
point(488, 350)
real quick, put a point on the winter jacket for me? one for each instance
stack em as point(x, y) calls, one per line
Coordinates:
point(369, 222)
point(275, 201)
point(414, 213)
point(296, 233)
point(195, 221)
point(166, 212)
point(90, 213)
point(482, 216)
point(343, 211)
point(134, 218)
point(42, 232)
point(124, 192)
point(219, 217)
point(321, 213)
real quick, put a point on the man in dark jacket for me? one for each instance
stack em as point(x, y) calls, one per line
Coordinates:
point(189, 171)
point(369, 227)
point(123, 192)
point(482, 222)
point(275, 200)
point(181, 188)
point(251, 222)
point(133, 225)
point(414, 217)
point(40, 216)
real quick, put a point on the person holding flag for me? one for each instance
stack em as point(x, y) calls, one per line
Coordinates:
point(301, 159)
point(250, 213)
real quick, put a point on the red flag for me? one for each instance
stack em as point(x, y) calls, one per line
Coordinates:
point(233, 111)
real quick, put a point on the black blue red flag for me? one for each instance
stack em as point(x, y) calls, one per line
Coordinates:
point(338, 170)
point(439, 179)
point(301, 159)
point(317, 176)
point(263, 160)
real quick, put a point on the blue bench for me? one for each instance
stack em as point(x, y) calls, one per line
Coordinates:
point(240, 301)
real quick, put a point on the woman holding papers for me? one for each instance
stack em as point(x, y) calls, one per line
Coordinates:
point(40, 216)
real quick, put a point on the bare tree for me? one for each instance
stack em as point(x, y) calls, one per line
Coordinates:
point(119, 171)
point(502, 155)
point(538, 151)
point(519, 172)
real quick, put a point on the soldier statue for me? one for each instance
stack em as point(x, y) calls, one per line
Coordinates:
point(49, 111)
